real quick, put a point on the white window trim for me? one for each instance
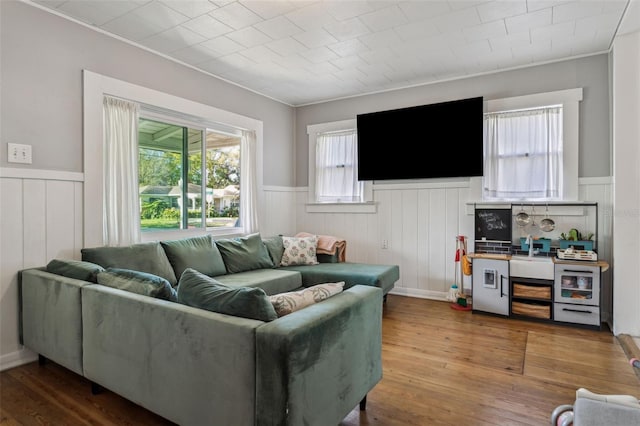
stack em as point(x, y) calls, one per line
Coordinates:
point(570, 101)
point(367, 206)
point(95, 87)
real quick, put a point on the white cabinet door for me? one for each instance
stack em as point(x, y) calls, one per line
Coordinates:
point(490, 286)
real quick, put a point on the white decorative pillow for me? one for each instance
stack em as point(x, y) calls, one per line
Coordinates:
point(285, 303)
point(299, 251)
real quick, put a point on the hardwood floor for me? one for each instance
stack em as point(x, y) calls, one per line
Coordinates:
point(440, 367)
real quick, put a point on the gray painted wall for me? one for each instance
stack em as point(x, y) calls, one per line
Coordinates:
point(43, 56)
point(591, 73)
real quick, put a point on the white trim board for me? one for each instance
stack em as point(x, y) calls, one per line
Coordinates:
point(23, 173)
point(95, 87)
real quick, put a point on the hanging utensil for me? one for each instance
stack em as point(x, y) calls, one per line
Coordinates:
point(533, 217)
point(547, 224)
point(522, 218)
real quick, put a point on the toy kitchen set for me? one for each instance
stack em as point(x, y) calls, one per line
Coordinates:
point(539, 261)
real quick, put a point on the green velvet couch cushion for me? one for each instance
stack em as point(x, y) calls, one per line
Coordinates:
point(201, 291)
point(272, 281)
point(244, 253)
point(382, 276)
point(199, 253)
point(275, 247)
point(138, 282)
point(144, 257)
point(78, 269)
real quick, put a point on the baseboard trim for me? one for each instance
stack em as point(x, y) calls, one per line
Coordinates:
point(419, 293)
point(14, 359)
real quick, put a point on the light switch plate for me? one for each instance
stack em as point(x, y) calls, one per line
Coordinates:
point(19, 153)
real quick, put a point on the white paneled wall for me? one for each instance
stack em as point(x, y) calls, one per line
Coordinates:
point(40, 219)
point(420, 223)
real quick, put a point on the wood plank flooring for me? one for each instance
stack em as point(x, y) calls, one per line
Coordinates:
point(440, 367)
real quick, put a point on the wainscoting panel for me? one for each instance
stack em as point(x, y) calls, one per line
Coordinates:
point(41, 219)
point(419, 224)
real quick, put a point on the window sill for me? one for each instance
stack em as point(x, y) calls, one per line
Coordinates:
point(369, 207)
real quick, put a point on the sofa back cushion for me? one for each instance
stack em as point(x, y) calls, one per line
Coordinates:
point(201, 291)
point(199, 253)
point(244, 253)
point(138, 282)
point(77, 269)
point(275, 248)
point(143, 257)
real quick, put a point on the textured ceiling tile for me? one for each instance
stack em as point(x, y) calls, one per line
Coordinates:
point(457, 20)
point(249, 37)
point(278, 27)
point(417, 30)
point(347, 29)
point(539, 18)
point(343, 10)
point(172, 39)
point(207, 26)
point(509, 41)
point(350, 47)
point(381, 39)
point(384, 19)
point(576, 10)
point(260, 54)
point(320, 54)
point(488, 30)
point(286, 46)
point(132, 27)
point(194, 55)
point(190, 8)
point(420, 10)
point(311, 17)
point(222, 45)
point(315, 38)
point(268, 9)
point(565, 29)
point(235, 15)
point(501, 9)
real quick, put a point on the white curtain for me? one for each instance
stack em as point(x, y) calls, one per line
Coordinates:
point(121, 213)
point(248, 183)
point(523, 154)
point(337, 167)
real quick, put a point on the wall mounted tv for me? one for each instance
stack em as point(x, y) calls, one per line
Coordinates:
point(429, 141)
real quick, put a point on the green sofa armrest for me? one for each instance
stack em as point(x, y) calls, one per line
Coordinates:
point(51, 316)
point(316, 364)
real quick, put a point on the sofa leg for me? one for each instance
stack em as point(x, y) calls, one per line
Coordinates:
point(363, 403)
point(41, 360)
point(384, 299)
point(96, 388)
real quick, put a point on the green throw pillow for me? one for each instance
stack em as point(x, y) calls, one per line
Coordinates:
point(77, 269)
point(138, 282)
point(244, 253)
point(199, 253)
point(275, 248)
point(144, 257)
point(201, 291)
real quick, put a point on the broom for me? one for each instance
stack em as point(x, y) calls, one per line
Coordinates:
point(454, 291)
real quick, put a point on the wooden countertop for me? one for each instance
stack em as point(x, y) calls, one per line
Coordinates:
point(601, 263)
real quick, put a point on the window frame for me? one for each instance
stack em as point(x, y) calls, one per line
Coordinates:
point(365, 206)
point(95, 87)
point(570, 101)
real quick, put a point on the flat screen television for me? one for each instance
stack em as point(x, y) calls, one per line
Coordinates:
point(438, 140)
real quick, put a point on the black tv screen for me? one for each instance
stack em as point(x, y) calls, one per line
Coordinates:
point(428, 141)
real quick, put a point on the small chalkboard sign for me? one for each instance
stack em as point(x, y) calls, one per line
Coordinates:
point(493, 224)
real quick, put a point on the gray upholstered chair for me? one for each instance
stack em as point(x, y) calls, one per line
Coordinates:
point(591, 409)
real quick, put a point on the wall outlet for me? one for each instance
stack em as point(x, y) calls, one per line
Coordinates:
point(385, 244)
point(19, 153)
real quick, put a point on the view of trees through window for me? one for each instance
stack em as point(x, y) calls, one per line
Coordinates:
point(174, 180)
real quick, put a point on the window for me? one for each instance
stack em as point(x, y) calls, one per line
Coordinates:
point(523, 154)
point(333, 170)
point(336, 167)
point(173, 180)
point(531, 147)
point(172, 110)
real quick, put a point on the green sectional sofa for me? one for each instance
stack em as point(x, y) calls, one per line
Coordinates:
point(127, 319)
